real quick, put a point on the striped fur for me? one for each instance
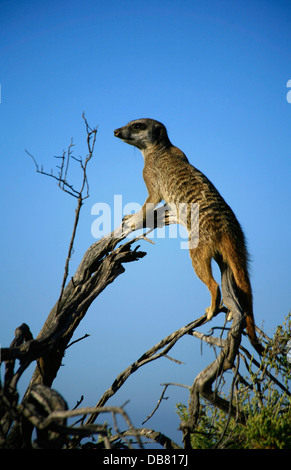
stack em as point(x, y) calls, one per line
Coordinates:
point(169, 176)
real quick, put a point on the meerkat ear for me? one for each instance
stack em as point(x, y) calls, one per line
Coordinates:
point(157, 132)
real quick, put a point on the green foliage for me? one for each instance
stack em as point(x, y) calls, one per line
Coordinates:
point(270, 427)
point(212, 424)
point(262, 395)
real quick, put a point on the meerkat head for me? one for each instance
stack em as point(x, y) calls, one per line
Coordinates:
point(143, 133)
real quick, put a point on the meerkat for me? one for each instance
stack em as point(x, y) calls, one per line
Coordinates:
point(169, 176)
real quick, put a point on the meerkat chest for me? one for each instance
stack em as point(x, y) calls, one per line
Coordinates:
point(178, 184)
point(173, 179)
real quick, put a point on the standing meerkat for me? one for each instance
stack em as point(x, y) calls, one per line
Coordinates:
point(169, 176)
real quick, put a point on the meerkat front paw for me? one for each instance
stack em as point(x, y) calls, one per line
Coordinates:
point(166, 218)
point(126, 219)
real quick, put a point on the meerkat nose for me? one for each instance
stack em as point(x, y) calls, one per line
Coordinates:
point(116, 132)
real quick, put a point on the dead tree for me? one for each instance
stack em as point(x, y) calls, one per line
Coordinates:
point(102, 263)
point(100, 266)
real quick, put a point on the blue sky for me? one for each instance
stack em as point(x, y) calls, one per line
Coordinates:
point(215, 73)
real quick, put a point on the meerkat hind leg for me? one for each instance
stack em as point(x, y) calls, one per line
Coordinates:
point(202, 267)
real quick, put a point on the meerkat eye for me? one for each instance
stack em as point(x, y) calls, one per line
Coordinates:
point(139, 126)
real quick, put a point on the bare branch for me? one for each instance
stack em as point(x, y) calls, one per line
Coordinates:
point(155, 436)
point(56, 419)
point(162, 398)
point(77, 340)
point(157, 351)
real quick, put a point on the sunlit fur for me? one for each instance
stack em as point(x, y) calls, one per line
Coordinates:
point(169, 176)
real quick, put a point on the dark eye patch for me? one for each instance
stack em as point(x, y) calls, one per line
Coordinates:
point(139, 126)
